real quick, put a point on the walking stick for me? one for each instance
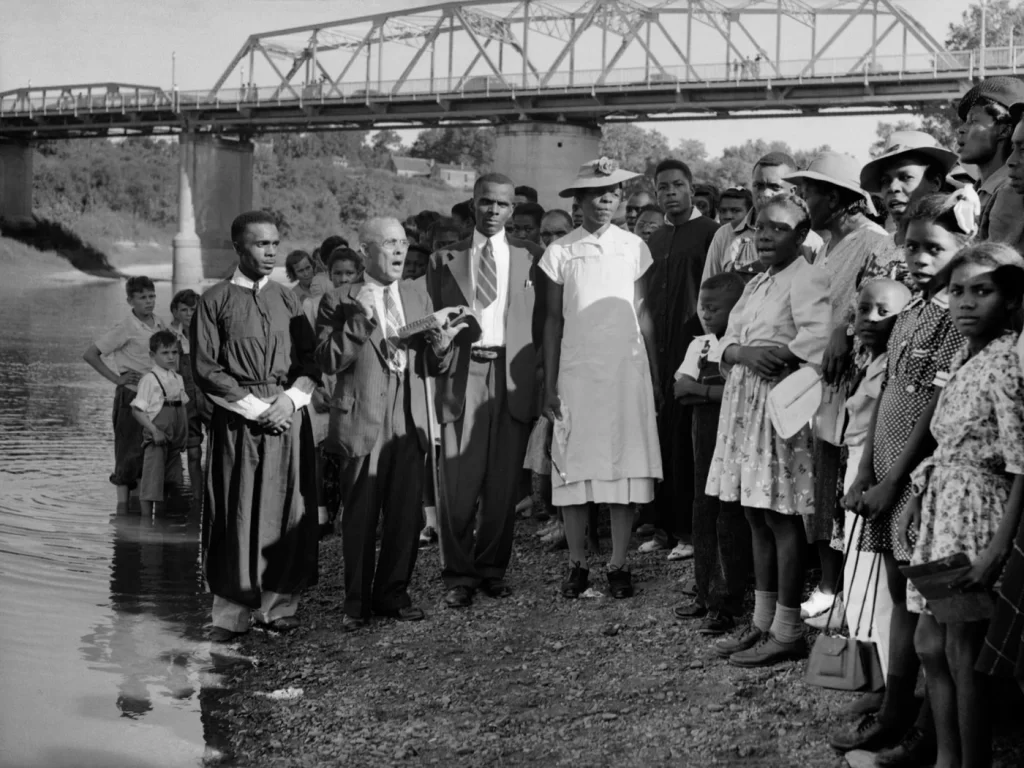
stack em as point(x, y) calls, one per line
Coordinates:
point(440, 497)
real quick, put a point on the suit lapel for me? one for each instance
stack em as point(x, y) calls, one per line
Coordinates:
point(460, 266)
point(519, 262)
point(377, 333)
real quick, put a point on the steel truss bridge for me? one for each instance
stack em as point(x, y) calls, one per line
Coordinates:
point(575, 61)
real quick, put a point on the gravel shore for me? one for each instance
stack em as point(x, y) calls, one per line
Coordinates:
point(531, 680)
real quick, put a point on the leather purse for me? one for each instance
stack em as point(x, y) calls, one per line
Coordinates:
point(844, 663)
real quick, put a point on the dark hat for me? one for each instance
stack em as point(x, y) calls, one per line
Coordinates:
point(1002, 90)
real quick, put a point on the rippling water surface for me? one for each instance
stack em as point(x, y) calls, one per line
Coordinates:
point(102, 656)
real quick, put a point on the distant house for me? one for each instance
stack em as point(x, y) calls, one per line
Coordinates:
point(410, 167)
point(455, 176)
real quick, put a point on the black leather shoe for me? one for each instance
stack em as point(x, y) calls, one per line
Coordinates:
point(690, 610)
point(221, 635)
point(717, 623)
point(496, 588)
point(917, 749)
point(326, 531)
point(352, 623)
point(870, 734)
point(576, 584)
point(620, 583)
point(459, 597)
point(409, 613)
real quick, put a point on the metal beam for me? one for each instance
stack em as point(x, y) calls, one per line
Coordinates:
point(816, 55)
point(874, 47)
point(570, 45)
point(428, 43)
point(481, 49)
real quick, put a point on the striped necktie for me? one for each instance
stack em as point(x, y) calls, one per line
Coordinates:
point(392, 322)
point(487, 277)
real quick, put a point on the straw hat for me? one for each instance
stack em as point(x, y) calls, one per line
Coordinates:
point(598, 173)
point(902, 143)
point(836, 169)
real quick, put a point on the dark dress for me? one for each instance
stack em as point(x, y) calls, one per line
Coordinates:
point(259, 518)
point(679, 254)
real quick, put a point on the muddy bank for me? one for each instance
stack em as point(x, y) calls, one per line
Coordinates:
point(533, 680)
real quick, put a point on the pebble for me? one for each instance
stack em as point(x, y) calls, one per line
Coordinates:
point(715, 708)
point(696, 665)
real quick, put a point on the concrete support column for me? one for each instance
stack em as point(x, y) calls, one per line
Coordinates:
point(545, 156)
point(214, 185)
point(16, 183)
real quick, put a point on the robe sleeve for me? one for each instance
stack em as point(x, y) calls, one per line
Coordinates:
point(204, 338)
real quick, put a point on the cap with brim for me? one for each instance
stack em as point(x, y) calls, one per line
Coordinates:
point(900, 144)
point(836, 169)
point(1002, 90)
point(596, 174)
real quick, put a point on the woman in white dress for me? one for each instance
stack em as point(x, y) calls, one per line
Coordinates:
point(599, 356)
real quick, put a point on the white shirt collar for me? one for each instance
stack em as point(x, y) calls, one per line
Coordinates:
point(244, 282)
point(497, 240)
point(375, 283)
point(165, 376)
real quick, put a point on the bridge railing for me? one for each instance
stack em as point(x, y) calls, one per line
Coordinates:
point(112, 97)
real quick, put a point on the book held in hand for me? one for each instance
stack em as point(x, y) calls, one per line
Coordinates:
point(451, 319)
point(934, 581)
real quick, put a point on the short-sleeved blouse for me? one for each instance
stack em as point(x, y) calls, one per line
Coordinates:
point(791, 307)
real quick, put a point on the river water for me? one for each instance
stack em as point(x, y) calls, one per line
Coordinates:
point(103, 657)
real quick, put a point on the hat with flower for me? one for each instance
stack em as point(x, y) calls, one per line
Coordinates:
point(603, 172)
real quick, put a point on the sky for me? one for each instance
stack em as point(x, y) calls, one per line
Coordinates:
point(52, 42)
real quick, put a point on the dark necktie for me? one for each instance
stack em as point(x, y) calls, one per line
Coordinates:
point(487, 277)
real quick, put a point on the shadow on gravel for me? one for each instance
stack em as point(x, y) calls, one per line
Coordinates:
point(44, 235)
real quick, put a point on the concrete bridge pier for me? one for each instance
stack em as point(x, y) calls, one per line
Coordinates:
point(215, 184)
point(16, 183)
point(545, 155)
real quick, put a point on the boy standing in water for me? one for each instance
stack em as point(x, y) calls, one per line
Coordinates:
point(128, 344)
point(159, 407)
point(198, 408)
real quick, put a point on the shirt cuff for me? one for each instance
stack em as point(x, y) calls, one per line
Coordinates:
point(301, 392)
point(249, 407)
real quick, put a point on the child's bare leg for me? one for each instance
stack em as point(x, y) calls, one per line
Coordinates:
point(766, 570)
point(930, 643)
point(147, 507)
point(123, 492)
point(973, 695)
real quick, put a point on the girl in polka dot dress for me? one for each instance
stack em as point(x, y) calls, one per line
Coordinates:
point(968, 493)
point(921, 349)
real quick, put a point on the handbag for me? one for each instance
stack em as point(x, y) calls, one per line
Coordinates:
point(845, 663)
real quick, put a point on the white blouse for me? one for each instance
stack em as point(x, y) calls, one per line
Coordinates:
point(792, 308)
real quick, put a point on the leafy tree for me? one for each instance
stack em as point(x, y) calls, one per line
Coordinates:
point(1002, 17)
point(635, 149)
point(466, 146)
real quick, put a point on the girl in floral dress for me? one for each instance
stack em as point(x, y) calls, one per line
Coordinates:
point(921, 349)
point(780, 323)
point(968, 493)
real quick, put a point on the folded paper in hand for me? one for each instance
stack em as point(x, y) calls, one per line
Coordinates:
point(453, 319)
point(794, 401)
point(935, 580)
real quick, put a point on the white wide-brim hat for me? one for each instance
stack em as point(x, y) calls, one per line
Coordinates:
point(905, 143)
point(596, 174)
point(837, 169)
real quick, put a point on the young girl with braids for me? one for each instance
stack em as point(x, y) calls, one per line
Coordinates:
point(922, 346)
point(967, 495)
point(780, 323)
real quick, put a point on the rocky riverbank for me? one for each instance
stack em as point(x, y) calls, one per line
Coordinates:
point(532, 680)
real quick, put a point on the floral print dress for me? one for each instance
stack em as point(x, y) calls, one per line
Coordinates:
point(979, 427)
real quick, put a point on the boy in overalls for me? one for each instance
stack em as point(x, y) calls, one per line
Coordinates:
point(159, 406)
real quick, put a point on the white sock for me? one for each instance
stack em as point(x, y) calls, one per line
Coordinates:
point(787, 626)
point(764, 609)
point(322, 516)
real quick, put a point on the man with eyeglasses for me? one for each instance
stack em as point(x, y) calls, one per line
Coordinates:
point(379, 420)
point(635, 205)
point(486, 400)
point(734, 249)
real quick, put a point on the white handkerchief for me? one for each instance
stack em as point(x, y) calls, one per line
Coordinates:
point(794, 401)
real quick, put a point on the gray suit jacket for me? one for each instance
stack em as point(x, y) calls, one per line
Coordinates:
point(351, 345)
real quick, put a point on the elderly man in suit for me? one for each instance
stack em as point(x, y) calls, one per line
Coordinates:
point(379, 420)
point(485, 401)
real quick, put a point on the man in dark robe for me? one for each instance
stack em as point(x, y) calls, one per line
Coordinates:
point(679, 250)
point(253, 356)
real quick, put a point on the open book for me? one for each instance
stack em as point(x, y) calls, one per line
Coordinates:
point(453, 319)
point(934, 581)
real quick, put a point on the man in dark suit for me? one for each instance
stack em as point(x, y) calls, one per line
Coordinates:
point(485, 401)
point(379, 420)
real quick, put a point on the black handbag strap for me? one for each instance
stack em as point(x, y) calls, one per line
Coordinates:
point(874, 596)
point(856, 564)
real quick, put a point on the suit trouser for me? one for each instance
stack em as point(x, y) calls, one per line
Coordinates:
point(390, 481)
point(482, 458)
point(722, 556)
point(674, 497)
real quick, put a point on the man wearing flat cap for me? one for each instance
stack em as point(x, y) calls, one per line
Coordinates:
point(984, 139)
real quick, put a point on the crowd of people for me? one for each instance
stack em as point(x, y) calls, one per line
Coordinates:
point(826, 363)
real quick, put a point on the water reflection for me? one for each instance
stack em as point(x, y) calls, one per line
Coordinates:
point(104, 658)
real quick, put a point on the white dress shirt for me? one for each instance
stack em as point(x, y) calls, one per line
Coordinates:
point(250, 406)
point(492, 319)
point(376, 289)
